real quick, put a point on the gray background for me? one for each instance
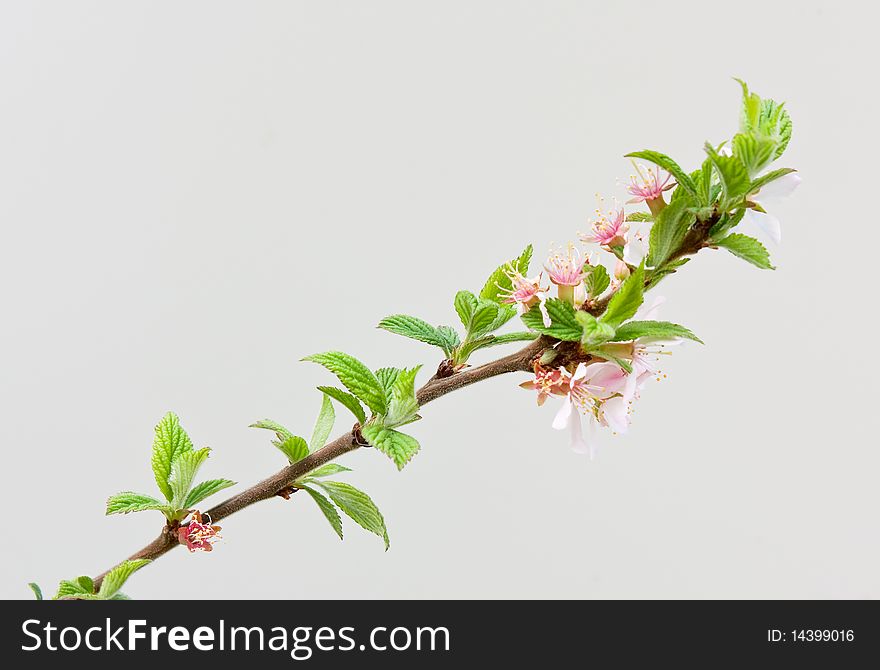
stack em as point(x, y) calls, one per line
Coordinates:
point(195, 195)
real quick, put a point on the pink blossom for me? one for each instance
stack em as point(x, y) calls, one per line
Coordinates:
point(198, 534)
point(526, 293)
point(648, 183)
point(590, 389)
point(566, 269)
point(547, 382)
point(608, 229)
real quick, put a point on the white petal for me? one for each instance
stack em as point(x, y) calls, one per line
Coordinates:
point(632, 385)
point(578, 444)
point(651, 312)
point(634, 251)
point(779, 188)
point(563, 416)
point(615, 413)
point(767, 223)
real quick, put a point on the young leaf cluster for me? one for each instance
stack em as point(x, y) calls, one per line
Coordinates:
point(83, 587)
point(175, 464)
point(480, 315)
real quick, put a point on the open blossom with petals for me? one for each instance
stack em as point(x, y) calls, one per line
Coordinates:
point(547, 382)
point(648, 183)
point(526, 293)
point(566, 268)
point(591, 390)
point(198, 534)
point(608, 228)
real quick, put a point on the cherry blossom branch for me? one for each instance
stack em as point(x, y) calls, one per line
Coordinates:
point(520, 361)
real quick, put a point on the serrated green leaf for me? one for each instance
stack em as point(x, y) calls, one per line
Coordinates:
point(416, 329)
point(755, 151)
point(563, 324)
point(765, 179)
point(751, 109)
point(733, 175)
point(484, 318)
point(465, 305)
point(725, 223)
point(38, 592)
point(280, 431)
point(499, 283)
point(326, 508)
point(597, 281)
point(507, 338)
point(205, 489)
point(450, 337)
point(347, 400)
point(294, 447)
point(183, 471)
point(355, 376)
point(129, 501)
point(625, 302)
point(639, 217)
point(684, 180)
point(595, 331)
point(668, 232)
point(398, 446)
point(116, 578)
point(169, 443)
point(73, 588)
point(323, 424)
point(358, 506)
point(632, 330)
point(328, 470)
point(747, 248)
point(403, 407)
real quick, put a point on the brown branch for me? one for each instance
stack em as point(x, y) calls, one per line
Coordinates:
point(521, 361)
point(439, 385)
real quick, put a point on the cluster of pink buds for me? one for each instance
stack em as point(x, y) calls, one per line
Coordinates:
point(198, 534)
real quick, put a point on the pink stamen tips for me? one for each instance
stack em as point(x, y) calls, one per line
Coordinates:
point(648, 183)
point(609, 228)
point(525, 292)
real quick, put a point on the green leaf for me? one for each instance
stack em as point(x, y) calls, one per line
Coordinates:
point(499, 283)
point(81, 587)
point(465, 305)
point(668, 232)
point(116, 578)
point(328, 470)
point(751, 109)
point(684, 180)
point(205, 489)
point(747, 248)
point(705, 183)
point(403, 407)
point(416, 329)
point(733, 174)
point(597, 281)
point(640, 216)
point(627, 299)
point(755, 151)
point(725, 223)
point(294, 447)
point(397, 446)
point(450, 337)
point(632, 330)
point(763, 180)
point(346, 400)
point(129, 501)
point(357, 505)
point(507, 338)
point(280, 431)
point(183, 471)
point(595, 331)
point(326, 507)
point(484, 318)
point(355, 376)
point(38, 592)
point(169, 443)
point(563, 324)
point(324, 424)
point(775, 123)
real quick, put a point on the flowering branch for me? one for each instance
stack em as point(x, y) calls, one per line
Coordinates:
point(593, 346)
